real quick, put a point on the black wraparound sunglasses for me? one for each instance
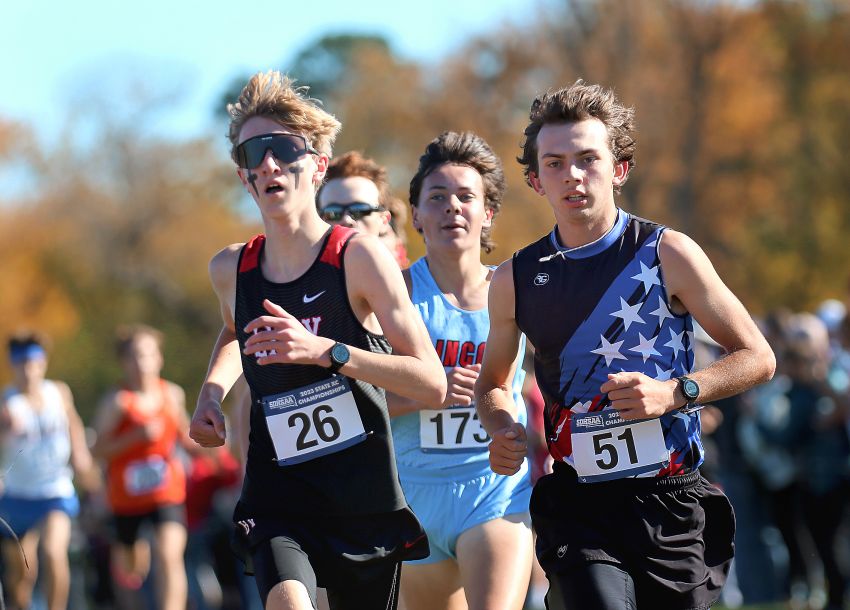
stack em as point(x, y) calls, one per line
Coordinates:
point(286, 148)
point(357, 210)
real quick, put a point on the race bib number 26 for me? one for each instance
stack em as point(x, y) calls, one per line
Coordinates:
point(313, 420)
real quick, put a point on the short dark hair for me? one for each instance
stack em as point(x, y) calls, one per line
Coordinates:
point(579, 102)
point(464, 148)
point(23, 339)
point(125, 335)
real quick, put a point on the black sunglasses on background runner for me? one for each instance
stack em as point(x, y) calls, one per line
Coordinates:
point(286, 148)
point(357, 210)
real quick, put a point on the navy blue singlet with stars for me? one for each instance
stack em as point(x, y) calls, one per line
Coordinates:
point(598, 309)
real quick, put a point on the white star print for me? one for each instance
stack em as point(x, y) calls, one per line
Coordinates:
point(611, 351)
point(651, 244)
point(661, 374)
point(662, 312)
point(647, 275)
point(691, 339)
point(676, 342)
point(646, 347)
point(581, 407)
point(629, 313)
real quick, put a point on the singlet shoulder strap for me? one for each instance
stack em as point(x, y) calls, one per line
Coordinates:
point(337, 240)
point(249, 257)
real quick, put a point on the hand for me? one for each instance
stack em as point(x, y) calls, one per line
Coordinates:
point(207, 427)
point(461, 385)
point(281, 338)
point(637, 396)
point(508, 449)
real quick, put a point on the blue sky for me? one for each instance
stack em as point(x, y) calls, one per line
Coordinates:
point(57, 55)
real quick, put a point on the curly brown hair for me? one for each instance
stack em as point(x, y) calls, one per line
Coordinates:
point(578, 102)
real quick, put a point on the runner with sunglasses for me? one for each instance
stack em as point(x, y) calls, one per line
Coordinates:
point(321, 504)
point(356, 194)
point(477, 522)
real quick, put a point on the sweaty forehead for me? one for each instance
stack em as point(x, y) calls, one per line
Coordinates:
point(259, 125)
point(349, 190)
point(565, 138)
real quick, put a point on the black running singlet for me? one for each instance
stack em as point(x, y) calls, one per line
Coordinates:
point(319, 444)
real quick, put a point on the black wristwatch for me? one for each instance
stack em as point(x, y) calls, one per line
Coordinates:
point(339, 356)
point(690, 390)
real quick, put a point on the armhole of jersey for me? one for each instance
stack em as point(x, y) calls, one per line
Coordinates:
point(663, 286)
point(514, 272)
point(343, 242)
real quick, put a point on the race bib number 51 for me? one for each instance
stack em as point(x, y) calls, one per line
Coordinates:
point(313, 420)
point(606, 447)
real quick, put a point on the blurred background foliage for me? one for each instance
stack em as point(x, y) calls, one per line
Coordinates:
point(742, 114)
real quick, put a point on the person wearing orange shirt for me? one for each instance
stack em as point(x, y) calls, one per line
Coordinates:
point(139, 425)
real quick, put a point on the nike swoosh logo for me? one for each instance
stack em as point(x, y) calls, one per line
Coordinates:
point(410, 545)
point(314, 297)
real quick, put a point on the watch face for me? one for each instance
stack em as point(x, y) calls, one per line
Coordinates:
point(690, 388)
point(339, 353)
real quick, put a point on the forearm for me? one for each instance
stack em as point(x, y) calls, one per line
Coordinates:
point(107, 448)
point(224, 369)
point(495, 406)
point(412, 378)
point(732, 374)
point(399, 405)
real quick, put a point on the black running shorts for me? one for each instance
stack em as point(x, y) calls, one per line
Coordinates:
point(673, 535)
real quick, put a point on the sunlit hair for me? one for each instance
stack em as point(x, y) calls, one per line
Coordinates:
point(23, 339)
point(354, 164)
point(579, 102)
point(125, 336)
point(468, 149)
point(274, 96)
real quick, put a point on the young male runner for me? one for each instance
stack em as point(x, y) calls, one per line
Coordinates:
point(477, 521)
point(42, 438)
point(313, 309)
point(356, 194)
point(607, 300)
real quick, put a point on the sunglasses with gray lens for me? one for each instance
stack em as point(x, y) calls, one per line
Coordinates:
point(285, 147)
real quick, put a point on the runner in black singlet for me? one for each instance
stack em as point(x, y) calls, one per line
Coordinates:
point(311, 314)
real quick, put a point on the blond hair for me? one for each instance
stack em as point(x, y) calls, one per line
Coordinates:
point(273, 95)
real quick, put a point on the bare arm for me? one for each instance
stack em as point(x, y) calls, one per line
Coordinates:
point(493, 395)
point(107, 443)
point(207, 427)
point(81, 458)
point(694, 286)
point(412, 370)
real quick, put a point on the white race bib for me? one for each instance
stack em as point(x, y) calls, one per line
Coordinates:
point(146, 475)
point(606, 447)
point(313, 420)
point(451, 429)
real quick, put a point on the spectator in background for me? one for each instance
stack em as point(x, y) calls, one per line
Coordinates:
point(356, 194)
point(139, 426)
point(41, 439)
point(819, 440)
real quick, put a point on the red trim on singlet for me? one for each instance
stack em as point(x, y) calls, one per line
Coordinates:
point(333, 251)
point(251, 254)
